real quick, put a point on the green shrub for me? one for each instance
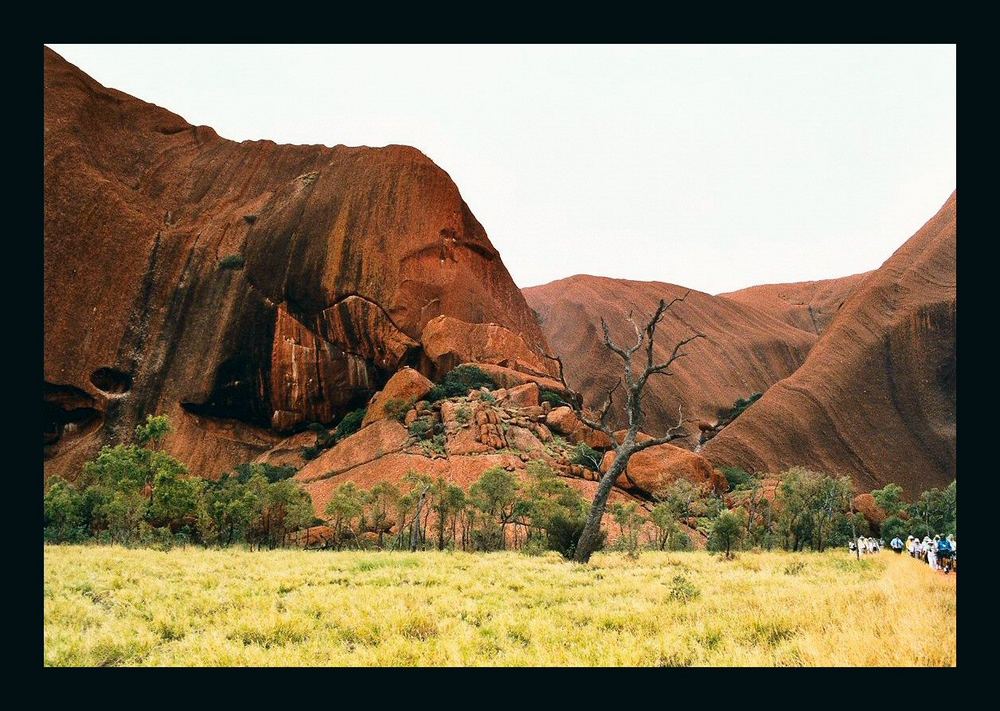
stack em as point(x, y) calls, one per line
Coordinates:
point(421, 427)
point(434, 445)
point(553, 398)
point(350, 424)
point(682, 589)
point(460, 381)
point(311, 452)
point(741, 405)
point(563, 532)
point(535, 545)
point(487, 397)
point(681, 542)
point(736, 477)
point(233, 261)
point(894, 526)
point(586, 456)
point(396, 408)
point(245, 472)
point(463, 414)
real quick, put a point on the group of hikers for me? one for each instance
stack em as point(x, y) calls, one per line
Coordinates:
point(940, 552)
point(866, 545)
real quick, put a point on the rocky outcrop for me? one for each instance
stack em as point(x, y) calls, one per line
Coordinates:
point(745, 350)
point(366, 445)
point(807, 305)
point(875, 399)
point(406, 386)
point(449, 342)
point(244, 289)
point(564, 421)
point(653, 469)
point(510, 378)
point(866, 505)
point(313, 537)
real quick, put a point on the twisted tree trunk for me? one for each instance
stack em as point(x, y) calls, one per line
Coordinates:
point(635, 383)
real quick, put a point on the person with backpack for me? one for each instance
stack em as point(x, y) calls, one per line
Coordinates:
point(897, 545)
point(944, 554)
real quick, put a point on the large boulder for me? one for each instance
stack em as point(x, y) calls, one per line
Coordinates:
point(865, 505)
point(405, 386)
point(562, 420)
point(653, 469)
point(510, 378)
point(523, 395)
point(448, 342)
point(566, 422)
point(366, 445)
point(287, 452)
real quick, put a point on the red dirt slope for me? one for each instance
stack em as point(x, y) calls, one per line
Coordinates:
point(809, 305)
point(876, 397)
point(745, 351)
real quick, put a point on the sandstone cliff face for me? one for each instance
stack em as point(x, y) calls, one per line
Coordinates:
point(345, 255)
point(876, 397)
point(808, 305)
point(745, 350)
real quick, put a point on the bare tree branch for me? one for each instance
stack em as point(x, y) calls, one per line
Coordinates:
point(601, 423)
point(610, 344)
point(674, 432)
point(638, 334)
point(662, 368)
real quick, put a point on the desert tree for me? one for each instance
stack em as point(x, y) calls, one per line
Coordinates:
point(635, 376)
point(727, 530)
point(381, 500)
point(347, 502)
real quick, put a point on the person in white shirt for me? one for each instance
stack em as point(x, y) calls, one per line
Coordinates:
point(932, 553)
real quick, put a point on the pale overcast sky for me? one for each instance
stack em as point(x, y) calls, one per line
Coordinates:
point(715, 167)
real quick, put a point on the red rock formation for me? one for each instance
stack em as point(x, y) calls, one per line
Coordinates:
point(807, 305)
point(876, 397)
point(653, 469)
point(449, 342)
point(523, 395)
point(406, 386)
point(345, 255)
point(866, 505)
point(745, 350)
point(366, 445)
point(509, 378)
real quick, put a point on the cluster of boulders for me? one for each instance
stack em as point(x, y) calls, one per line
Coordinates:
point(512, 420)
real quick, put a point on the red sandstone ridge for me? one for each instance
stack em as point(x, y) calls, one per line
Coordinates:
point(745, 350)
point(341, 257)
point(875, 399)
point(808, 305)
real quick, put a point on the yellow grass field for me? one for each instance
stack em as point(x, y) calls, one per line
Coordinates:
point(116, 606)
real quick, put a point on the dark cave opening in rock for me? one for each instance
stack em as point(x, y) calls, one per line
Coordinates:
point(111, 381)
point(236, 394)
point(67, 412)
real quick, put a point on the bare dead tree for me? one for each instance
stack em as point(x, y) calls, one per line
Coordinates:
point(635, 380)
